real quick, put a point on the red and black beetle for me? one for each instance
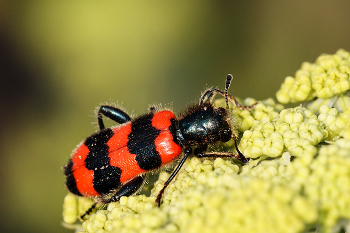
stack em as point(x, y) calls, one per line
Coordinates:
point(114, 161)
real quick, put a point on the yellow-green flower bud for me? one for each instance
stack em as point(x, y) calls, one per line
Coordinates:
point(70, 208)
point(273, 145)
point(300, 147)
point(95, 222)
point(291, 115)
point(301, 88)
point(262, 111)
point(243, 119)
point(311, 132)
point(342, 103)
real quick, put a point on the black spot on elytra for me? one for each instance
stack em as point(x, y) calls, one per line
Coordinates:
point(141, 142)
point(70, 180)
point(106, 177)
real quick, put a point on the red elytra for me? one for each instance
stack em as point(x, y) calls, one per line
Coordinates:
point(120, 156)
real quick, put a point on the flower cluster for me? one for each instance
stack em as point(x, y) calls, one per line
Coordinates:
point(297, 179)
point(327, 77)
point(296, 130)
point(277, 195)
point(337, 124)
point(325, 181)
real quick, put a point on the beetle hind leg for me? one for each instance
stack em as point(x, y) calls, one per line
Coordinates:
point(127, 189)
point(88, 211)
point(112, 113)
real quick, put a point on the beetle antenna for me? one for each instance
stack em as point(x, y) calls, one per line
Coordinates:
point(227, 85)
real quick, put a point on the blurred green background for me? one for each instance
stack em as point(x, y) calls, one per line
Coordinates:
point(59, 60)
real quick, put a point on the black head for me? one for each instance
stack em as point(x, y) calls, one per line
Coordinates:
point(205, 124)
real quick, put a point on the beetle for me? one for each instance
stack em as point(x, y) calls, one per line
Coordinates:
point(113, 162)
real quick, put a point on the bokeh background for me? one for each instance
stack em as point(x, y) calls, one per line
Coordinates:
point(61, 59)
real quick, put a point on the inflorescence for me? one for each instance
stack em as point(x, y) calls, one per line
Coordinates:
point(297, 179)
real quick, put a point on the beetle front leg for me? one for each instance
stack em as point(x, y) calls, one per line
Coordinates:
point(200, 152)
point(188, 151)
point(241, 156)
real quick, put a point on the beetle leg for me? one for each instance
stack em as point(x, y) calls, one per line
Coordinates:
point(200, 152)
point(127, 189)
point(241, 156)
point(112, 113)
point(222, 155)
point(188, 151)
point(88, 211)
